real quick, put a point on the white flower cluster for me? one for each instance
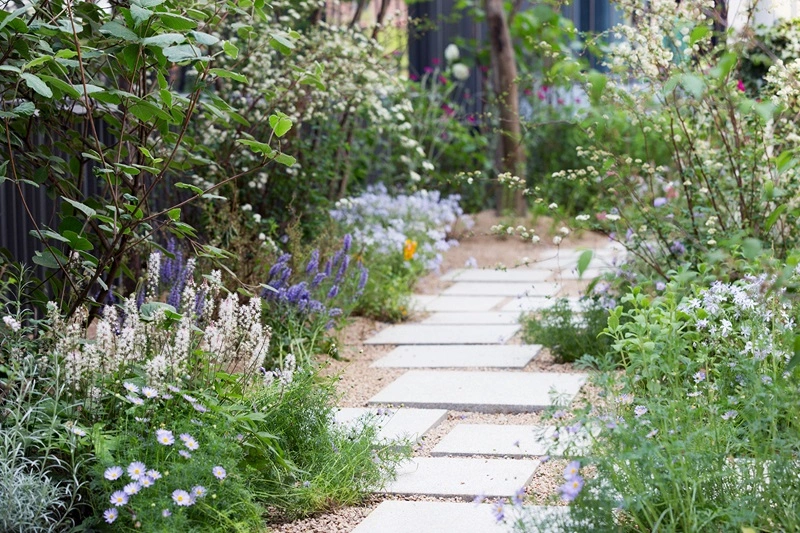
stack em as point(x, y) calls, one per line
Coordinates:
point(163, 345)
point(743, 318)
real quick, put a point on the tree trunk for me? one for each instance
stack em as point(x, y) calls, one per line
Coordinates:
point(510, 156)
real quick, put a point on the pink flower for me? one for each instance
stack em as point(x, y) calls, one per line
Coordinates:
point(413, 77)
point(447, 110)
point(428, 70)
point(740, 85)
point(435, 61)
point(442, 80)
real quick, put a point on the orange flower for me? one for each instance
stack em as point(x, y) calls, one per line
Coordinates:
point(409, 249)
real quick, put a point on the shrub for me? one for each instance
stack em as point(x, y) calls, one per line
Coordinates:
point(568, 334)
point(402, 236)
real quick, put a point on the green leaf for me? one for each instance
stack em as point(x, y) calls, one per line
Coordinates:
point(182, 52)
point(78, 242)
point(12, 19)
point(765, 110)
point(774, 216)
point(140, 14)
point(204, 38)
point(222, 73)
point(164, 40)
point(149, 310)
point(784, 159)
point(174, 214)
point(177, 22)
point(149, 3)
point(35, 83)
point(49, 259)
point(285, 159)
point(281, 43)
point(258, 147)
point(146, 111)
point(83, 208)
point(583, 262)
point(194, 188)
point(751, 248)
point(230, 50)
point(694, 85)
point(280, 124)
point(38, 61)
point(698, 33)
point(61, 85)
point(726, 64)
point(25, 109)
point(598, 82)
point(115, 29)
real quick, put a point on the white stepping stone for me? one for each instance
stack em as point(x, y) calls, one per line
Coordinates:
point(394, 424)
point(487, 392)
point(514, 275)
point(458, 304)
point(496, 439)
point(428, 334)
point(506, 356)
point(398, 516)
point(394, 516)
point(487, 317)
point(526, 304)
point(434, 476)
point(540, 288)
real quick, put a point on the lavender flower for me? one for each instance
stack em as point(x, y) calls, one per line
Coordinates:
point(498, 511)
point(333, 292)
point(363, 277)
point(318, 278)
point(519, 497)
point(699, 376)
point(109, 515)
point(313, 262)
point(347, 243)
point(113, 473)
point(165, 437)
point(136, 469)
point(219, 472)
point(640, 410)
point(660, 201)
point(729, 414)
point(342, 269)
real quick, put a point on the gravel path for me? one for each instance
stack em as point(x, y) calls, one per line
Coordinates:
point(358, 382)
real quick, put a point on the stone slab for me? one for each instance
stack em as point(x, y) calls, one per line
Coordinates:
point(435, 476)
point(514, 275)
point(485, 317)
point(394, 424)
point(457, 304)
point(444, 334)
point(527, 304)
point(540, 288)
point(394, 516)
point(488, 392)
point(399, 516)
point(496, 439)
point(459, 356)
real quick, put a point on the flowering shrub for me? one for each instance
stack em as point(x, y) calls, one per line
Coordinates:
point(702, 419)
point(413, 227)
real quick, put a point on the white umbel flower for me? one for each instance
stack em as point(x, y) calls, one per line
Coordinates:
point(460, 71)
point(451, 53)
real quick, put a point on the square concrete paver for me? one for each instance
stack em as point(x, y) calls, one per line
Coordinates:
point(455, 356)
point(488, 392)
point(496, 439)
point(398, 516)
point(394, 516)
point(541, 288)
point(485, 317)
point(457, 304)
point(444, 334)
point(394, 424)
point(534, 303)
point(514, 275)
point(434, 476)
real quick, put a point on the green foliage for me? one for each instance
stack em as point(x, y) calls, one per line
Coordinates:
point(387, 296)
point(136, 147)
point(41, 459)
point(699, 431)
point(569, 335)
point(333, 465)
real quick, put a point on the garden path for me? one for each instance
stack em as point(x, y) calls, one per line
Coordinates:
point(461, 357)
